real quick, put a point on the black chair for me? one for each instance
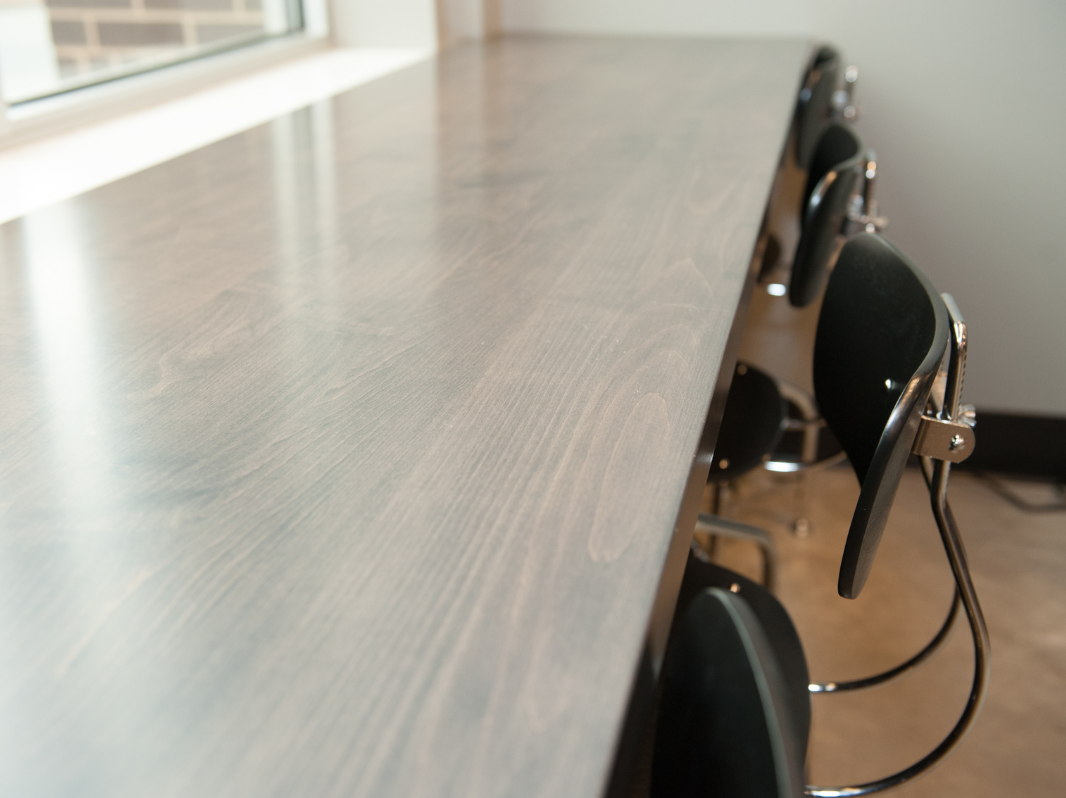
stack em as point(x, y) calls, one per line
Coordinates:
point(756, 414)
point(807, 444)
point(889, 359)
point(839, 201)
point(814, 110)
point(833, 207)
point(727, 728)
point(833, 204)
point(824, 99)
point(781, 634)
point(814, 106)
point(752, 424)
point(837, 163)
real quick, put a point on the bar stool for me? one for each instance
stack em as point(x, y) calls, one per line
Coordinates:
point(889, 359)
point(831, 182)
point(839, 200)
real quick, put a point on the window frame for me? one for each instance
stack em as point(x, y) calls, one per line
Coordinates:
point(24, 121)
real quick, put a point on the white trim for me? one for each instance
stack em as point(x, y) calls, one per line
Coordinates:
point(51, 115)
point(39, 174)
point(316, 17)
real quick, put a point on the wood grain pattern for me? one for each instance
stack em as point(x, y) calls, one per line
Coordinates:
point(342, 457)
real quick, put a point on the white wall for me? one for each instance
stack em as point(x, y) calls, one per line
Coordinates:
point(662, 17)
point(966, 105)
point(384, 23)
point(461, 19)
point(964, 102)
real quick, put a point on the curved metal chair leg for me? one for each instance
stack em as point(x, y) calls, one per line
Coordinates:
point(930, 647)
point(726, 527)
point(949, 534)
point(899, 670)
point(937, 470)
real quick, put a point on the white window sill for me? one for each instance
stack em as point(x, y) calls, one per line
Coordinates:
point(38, 174)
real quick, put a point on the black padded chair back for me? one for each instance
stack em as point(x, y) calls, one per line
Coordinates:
point(815, 103)
point(882, 334)
point(724, 727)
point(752, 424)
point(831, 182)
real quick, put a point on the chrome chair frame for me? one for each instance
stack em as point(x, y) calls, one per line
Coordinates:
point(810, 424)
point(715, 525)
point(863, 215)
point(844, 105)
point(945, 436)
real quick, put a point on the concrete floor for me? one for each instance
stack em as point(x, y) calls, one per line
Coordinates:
point(1018, 560)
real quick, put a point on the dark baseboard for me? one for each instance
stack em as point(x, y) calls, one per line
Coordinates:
point(1019, 445)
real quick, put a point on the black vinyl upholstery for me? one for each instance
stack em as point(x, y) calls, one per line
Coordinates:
point(831, 181)
point(724, 723)
point(882, 334)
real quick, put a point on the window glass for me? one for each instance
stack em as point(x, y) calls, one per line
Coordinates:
point(49, 46)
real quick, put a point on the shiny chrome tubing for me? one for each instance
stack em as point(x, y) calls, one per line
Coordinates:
point(937, 477)
point(949, 534)
point(715, 525)
point(917, 659)
point(899, 670)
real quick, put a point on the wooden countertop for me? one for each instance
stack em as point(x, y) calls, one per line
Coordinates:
point(342, 457)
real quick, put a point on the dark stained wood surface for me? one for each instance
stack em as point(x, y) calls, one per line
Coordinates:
point(341, 457)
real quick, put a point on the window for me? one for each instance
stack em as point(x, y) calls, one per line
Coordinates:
point(52, 46)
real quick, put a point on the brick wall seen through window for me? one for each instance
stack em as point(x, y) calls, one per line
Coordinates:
point(45, 44)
